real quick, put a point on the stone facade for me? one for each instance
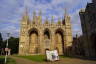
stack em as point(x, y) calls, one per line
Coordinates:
point(77, 46)
point(88, 22)
point(94, 1)
point(37, 36)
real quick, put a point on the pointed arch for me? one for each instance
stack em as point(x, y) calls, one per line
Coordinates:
point(34, 41)
point(47, 32)
point(59, 40)
point(33, 30)
point(47, 38)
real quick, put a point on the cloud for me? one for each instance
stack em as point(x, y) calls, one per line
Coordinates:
point(9, 29)
point(76, 24)
point(11, 12)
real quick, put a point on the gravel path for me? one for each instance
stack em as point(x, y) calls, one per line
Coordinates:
point(62, 61)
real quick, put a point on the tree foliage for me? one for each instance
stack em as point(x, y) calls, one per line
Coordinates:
point(13, 44)
point(1, 40)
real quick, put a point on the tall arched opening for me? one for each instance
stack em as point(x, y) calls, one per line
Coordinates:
point(46, 39)
point(34, 43)
point(59, 41)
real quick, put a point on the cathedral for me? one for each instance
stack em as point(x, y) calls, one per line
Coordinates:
point(37, 36)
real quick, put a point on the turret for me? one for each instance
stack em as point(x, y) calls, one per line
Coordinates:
point(46, 20)
point(66, 19)
point(59, 21)
point(23, 32)
point(34, 17)
point(40, 17)
point(25, 18)
point(37, 19)
point(68, 30)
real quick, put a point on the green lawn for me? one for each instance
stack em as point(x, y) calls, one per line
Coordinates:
point(62, 56)
point(9, 61)
point(1, 59)
point(37, 58)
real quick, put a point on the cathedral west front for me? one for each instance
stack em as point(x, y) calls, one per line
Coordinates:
point(37, 36)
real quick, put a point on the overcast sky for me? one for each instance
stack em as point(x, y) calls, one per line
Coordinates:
point(11, 12)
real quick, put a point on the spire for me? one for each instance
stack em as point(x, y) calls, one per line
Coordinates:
point(59, 21)
point(25, 18)
point(40, 16)
point(65, 12)
point(40, 13)
point(52, 19)
point(34, 15)
point(46, 18)
point(25, 12)
point(46, 21)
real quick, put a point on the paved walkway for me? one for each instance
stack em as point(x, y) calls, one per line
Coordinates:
point(62, 61)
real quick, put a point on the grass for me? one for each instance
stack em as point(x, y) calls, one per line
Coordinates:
point(9, 61)
point(62, 56)
point(1, 59)
point(37, 58)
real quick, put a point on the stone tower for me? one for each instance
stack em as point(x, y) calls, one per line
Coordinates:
point(94, 1)
point(88, 23)
point(36, 36)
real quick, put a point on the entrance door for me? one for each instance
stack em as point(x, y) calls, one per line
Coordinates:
point(59, 42)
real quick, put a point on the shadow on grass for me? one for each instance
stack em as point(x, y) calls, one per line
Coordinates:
point(9, 61)
point(1, 59)
point(36, 58)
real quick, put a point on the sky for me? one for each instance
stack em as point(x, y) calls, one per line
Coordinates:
point(11, 12)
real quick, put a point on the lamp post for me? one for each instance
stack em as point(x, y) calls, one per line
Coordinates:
point(6, 49)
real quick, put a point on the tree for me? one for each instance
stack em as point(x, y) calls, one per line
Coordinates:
point(1, 40)
point(13, 44)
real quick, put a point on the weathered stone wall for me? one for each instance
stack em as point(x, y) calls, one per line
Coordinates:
point(36, 36)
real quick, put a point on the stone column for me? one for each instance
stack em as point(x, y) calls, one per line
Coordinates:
point(27, 44)
point(41, 42)
point(52, 42)
point(64, 42)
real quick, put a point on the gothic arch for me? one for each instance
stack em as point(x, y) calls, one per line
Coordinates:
point(59, 40)
point(47, 32)
point(33, 41)
point(33, 30)
point(47, 38)
point(59, 30)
